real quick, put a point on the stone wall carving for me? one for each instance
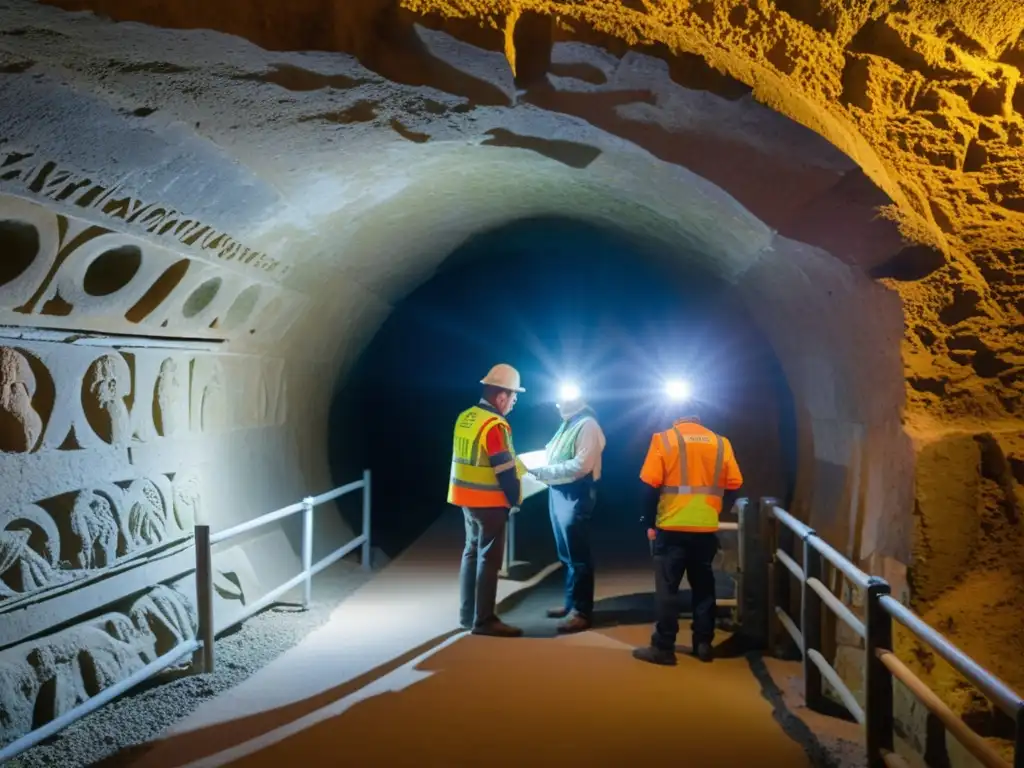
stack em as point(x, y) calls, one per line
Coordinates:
point(27, 172)
point(20, 424)
point(58, 396)
point(63, 272)
point(74, 537)
point(43, 678)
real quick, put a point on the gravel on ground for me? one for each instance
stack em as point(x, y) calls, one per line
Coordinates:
point(145, 713)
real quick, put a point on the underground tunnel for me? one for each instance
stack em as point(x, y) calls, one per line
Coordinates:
point(582, 304)
point(222, 224)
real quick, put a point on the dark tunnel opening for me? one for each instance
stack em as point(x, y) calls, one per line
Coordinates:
point(558, 299)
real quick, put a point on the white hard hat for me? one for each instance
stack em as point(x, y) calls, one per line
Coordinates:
point(504, 376)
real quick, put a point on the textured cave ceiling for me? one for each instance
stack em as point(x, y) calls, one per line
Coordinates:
point(889, 134)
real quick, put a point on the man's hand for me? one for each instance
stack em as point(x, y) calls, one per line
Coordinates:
point(651, 534)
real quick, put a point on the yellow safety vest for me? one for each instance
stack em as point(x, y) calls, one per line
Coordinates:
point(473, 481)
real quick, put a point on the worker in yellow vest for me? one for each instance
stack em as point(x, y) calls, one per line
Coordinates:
point(690, 474)
point(485, 482)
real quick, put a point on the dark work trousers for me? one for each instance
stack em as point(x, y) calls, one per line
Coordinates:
point(571, 506)
point(676, 553)
point(481, 562)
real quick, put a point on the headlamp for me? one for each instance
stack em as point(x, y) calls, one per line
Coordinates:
point(677, 390)
point(569, 392)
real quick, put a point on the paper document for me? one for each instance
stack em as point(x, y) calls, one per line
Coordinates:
point(534, 459)
point(532, 486)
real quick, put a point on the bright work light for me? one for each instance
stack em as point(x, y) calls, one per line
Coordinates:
point(569, 392)
point(677, 389)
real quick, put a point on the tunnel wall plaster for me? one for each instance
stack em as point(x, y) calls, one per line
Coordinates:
point(606, 133)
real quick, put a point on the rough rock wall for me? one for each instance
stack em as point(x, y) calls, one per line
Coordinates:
point(928, 99)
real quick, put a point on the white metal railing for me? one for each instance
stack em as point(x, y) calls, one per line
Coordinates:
point(201, 647)
point(204, 655)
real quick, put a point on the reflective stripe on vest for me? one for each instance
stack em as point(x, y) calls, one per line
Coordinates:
point(563, 444)
point(693, 508)
point(473, 481)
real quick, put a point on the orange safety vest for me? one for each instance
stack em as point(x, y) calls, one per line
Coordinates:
point(692, 490)
point(473, 482)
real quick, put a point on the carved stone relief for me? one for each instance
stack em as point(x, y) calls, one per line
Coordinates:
point(27, 171)
point(72, 537)
point(102, 448)
point(96, 397)
point(46, 677)
point(71, 274)
point(20, 425)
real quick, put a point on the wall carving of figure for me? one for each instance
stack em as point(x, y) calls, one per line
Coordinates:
point(147, 515)
point(212, 408)
point(29, 551)
point(94, 526)
point(20, 425)
point(46, 677)
point(171, 399)
point(187, 500)
point(166, 619)
point(107, 385)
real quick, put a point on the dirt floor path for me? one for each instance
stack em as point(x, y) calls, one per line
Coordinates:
point(547, 700)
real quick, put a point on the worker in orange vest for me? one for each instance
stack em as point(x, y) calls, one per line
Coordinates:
point(690, 475)
point(485, 482)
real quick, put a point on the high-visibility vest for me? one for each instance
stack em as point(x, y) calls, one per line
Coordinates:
point(473, 481)
point(691, 500)
point(563, 445)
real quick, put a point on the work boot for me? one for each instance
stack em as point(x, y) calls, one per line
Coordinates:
point(495, 627)
point(557, 613)
point(653, 655)
point(576, 622)
point(704, 652)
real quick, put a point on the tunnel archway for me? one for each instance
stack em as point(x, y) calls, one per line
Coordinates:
point(563, 299)
point(323, 188)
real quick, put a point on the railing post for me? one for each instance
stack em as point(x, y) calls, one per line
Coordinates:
point(367, 562)
point(203, 659)
point(771, 536)
point(783, 541)
point(307, 551)
point(752, 591)
point(810, 618)
point(878, 698)
point(506, 560)
point(512, 539)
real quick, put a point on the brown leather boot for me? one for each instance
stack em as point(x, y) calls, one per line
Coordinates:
point(497, 628)
point(557, 613)
point(576, 622)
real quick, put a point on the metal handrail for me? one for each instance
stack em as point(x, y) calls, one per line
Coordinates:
point(208, 630)
point(204, 599)
point(881, 664)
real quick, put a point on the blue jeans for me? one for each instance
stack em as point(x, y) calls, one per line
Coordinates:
point(571, 507)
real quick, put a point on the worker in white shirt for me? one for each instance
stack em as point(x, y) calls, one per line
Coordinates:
point(572, 472)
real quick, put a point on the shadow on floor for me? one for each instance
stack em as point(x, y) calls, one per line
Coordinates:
point(581, 701)
point(527, 609)
point(194, 745)
point(791, 724)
